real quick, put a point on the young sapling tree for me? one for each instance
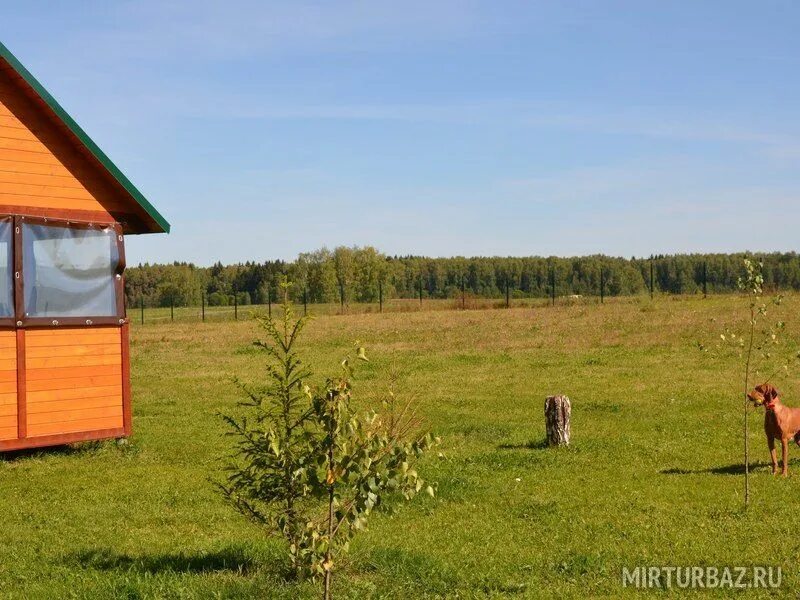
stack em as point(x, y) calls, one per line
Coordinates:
point(758, 347)
point(361, 460)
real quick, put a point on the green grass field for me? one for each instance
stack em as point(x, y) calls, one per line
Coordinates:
point(652, 477)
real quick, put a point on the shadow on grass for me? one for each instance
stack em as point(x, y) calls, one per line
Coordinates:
point(734, 469)
point(531, 445)
point(76, 449)
point(233, 560)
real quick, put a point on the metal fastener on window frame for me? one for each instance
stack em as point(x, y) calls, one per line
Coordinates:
point(19, 323)
point(88, 321)
point(55, 322)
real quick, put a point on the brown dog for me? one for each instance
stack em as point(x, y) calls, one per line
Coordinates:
point(780, 422)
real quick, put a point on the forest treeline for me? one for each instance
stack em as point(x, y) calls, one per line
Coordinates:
point(360, 274)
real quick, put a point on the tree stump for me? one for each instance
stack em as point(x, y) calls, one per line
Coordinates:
point(557, 410)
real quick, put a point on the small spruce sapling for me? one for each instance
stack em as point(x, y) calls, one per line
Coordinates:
point(268, 474)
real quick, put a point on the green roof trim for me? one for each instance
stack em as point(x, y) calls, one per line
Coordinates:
point(83, 137)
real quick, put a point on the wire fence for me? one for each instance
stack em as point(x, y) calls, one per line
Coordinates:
point(463, 301)
point(200, 314)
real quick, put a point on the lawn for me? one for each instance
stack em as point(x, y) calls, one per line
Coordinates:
point(652, 477)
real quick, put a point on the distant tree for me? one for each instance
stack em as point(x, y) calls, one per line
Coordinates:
point(359, 271)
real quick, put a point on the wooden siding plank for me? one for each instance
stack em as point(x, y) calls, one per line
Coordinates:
point(71, 383)
point(46, 191)
point(100, 339)
point(61, 406)
point(7, 120)
point(71, 361)
point(59, 203)
point(39, 179)
point(75, 414)
point(61, 427)
point(23, 145)
point(11, 162)
point(72, 372)
point(74, 393)
point(76, 331)
point(63, 351)
point(19, 157)
point(11, 130)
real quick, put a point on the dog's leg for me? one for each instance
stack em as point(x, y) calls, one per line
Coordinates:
point(785, 456)
point(797, 438)
point(772, 453)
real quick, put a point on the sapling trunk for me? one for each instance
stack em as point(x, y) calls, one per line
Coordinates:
point(328, 565)
point(746, 424)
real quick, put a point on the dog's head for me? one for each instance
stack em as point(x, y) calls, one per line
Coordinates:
point(763, 394)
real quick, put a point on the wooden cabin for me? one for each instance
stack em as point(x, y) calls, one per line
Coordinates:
point(65, 210)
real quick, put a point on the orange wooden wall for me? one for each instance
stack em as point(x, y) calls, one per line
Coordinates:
point(73, 380)
point(8, 385)
point(40, 169)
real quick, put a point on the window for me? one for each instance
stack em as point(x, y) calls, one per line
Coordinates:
point(6, 268)
point(69, 271)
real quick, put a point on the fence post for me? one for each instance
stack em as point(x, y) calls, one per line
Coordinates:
point(141, 302)
point(305, 301)
point(508, 305)
point(420, 291)
point(380, 296)
point(705, 279)
point(235, 306)
point(269, 300)
point(602, 285)
point(553, 285)
point(463, 294)
point(203, 305)
point(341, 295)
point(652, 279)
point(172, 308)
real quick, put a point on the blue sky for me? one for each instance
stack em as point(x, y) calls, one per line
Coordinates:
point(264, 129)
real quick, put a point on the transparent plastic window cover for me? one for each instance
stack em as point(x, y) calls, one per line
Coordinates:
point(6, 269)
point(69, 272)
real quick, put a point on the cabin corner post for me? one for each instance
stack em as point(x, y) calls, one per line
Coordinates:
point(22, 399)
point(19, 311)
point(119, 272)
point(127, 425)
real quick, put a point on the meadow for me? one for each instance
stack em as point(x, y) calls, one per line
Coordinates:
point(653, 476)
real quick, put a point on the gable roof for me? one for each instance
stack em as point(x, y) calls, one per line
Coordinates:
point(154, 221)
